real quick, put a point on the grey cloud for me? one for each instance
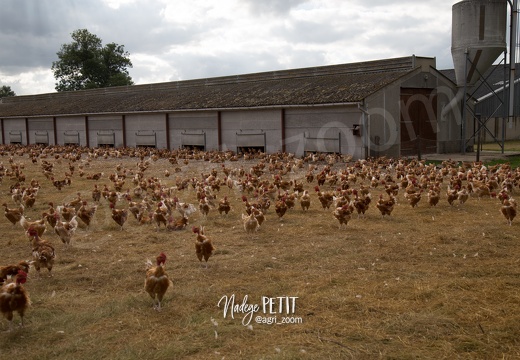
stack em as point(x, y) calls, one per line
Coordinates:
point(272, 7)
point(308, 32)
point(404, 31)
point(385, 3)
point(142, 34)
point(30, 34)
point(29, 17)
point(33, 31)
point(197, 66)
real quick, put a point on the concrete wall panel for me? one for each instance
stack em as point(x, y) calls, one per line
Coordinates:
point(385, 122)
point(41, 131)
point(14, 131)
point(324, 129)
point(105, 130)
point(141, 127)
point(197, 128)
point(252, 122)
point(70, 128)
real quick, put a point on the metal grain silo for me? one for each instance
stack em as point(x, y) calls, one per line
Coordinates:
point(478, 35)
point(478, 38)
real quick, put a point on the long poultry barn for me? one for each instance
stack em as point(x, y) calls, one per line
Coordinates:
point(384, 107)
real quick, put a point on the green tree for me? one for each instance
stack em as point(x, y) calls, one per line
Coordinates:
point(86, 64)
point(6, 91)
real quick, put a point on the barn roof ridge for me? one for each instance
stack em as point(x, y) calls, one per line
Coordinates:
point(364, 67)
point(342, 83)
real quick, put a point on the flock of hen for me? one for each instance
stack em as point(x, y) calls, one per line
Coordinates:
point(260, 179)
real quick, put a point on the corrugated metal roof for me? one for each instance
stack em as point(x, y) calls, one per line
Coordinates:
point(345, 83)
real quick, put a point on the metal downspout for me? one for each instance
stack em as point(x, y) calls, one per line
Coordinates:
point(282, 127)
point(54, 130)
point(463, 120)
point(366, 130)
point(87, 135)
point(123, 129)
point(27, 131)
point(219, 130)
point(167, 123)
point(512, 61)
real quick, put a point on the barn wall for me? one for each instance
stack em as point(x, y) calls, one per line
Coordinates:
point(449, 126)
point(311, 128)
point(251, 122)
point(494, 129)
point(497, 105)
point(71, 125)
point(495, 110)
point(41, 130)
point(13, 130)
point(146, 124)
point(384, 107)
point(314, 129)
point(101, 127)
point(193, 123)
point(383, 128)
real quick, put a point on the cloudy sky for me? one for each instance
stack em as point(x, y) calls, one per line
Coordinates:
point(171, 40)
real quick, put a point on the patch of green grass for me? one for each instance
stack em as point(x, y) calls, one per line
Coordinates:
point(513, 160)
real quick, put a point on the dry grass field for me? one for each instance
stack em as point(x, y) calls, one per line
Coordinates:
point(423, 283)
